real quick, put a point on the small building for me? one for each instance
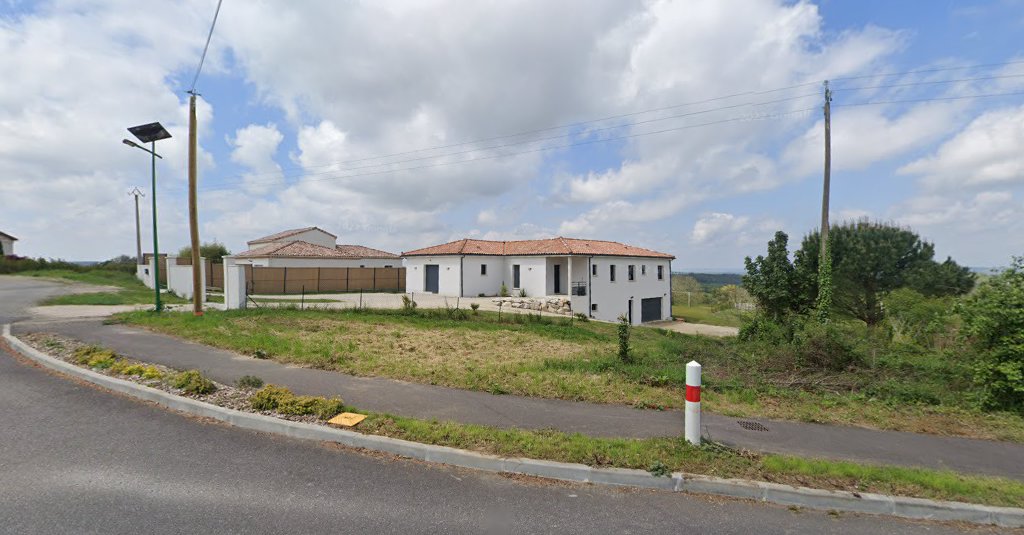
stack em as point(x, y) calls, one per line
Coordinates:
point(7, 244)
point(603, 279)
point(311, 247)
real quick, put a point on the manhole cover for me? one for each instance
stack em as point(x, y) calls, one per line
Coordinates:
point(752, 426)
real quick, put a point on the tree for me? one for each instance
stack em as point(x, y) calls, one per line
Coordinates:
point(687, 290)
point(994, 324)
point(870, 259)
point(773, 281)
point(938, 280)
point(214, 251)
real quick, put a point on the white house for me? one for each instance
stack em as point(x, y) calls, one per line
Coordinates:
point(7, 244)
point(603, 279)
point(311, 247)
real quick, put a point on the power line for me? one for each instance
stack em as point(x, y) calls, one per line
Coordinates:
point(541, 149)
point(538, 140)
point(615, 138)
point(905, 101)
point(302, 170)
point(202, 59)
point(924, 71)
point(932, 82)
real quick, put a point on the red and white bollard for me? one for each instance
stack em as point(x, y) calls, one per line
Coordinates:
point(692, 412)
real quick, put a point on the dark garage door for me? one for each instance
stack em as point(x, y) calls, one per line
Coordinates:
point(431, 284)
point(650, 309)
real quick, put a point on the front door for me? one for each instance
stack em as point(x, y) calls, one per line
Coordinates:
point(432, 274)
point(558, 279)
point(629, 313)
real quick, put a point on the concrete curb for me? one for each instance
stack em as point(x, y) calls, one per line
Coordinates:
point(678, 482)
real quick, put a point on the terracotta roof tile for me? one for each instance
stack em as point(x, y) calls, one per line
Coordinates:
point(551, 246)
point(286, 233)
point(361, 251)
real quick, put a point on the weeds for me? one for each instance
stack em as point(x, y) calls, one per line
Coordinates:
point(193, 382)
point(249, 381)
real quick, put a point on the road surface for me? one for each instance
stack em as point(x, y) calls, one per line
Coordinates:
point(74, 459)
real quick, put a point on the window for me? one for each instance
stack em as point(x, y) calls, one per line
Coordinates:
point(515, 275)
point(388, 266)
point(643, 269)
point(483, 269)
point(661, 272)
point(593, 307)
point(611, 272)
point(631, 272)
point(593, 270)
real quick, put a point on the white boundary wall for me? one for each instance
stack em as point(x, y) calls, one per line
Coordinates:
point(179, 279)
point(234, 285)
point(144, 272)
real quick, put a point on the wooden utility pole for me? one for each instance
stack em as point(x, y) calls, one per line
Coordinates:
point(828, 170)
point(193, 210)
point(136, 192)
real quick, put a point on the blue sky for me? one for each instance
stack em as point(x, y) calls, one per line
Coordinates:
point(296, 95)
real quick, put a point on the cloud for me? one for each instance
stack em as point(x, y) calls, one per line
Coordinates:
point(713, 225)
point(487, 217)
point(254, 147)
point(987, 153)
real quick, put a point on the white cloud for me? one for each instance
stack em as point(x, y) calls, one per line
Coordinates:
point(986, 153)
point(487, 217)
point(254, 147)
point(713, 225)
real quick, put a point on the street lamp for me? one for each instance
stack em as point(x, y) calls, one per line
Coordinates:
point(151, 133)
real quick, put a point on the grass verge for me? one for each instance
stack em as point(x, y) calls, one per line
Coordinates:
point(708, 315)
point(130, 290)
point(657, 455)
point(559, 358)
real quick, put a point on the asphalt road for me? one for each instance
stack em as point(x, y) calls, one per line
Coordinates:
point(74, 459)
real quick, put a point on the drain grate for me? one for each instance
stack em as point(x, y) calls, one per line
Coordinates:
point(751, 426)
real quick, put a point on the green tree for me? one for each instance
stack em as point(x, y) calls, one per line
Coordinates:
point(937, 280)
point(214, 251)
point(684, 286)
point(994, 324)
point(774, 282)
point(869, 260)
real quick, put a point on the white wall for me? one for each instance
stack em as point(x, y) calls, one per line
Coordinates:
point(7, 246)
point(144, 272)
point(448, 274)
point(179, 279)
point(612, 298)
point(532, 275)
point(234, 285)
point(550, 264)
point(474, 284)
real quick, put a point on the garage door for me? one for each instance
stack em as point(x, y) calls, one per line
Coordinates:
point(650, 309)
point(432, 273)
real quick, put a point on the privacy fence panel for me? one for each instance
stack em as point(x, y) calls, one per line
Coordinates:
point(264, 280)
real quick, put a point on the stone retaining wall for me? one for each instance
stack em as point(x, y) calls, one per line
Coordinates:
point(555, 305)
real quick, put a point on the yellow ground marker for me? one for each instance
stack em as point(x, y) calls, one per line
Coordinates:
point(347, 419)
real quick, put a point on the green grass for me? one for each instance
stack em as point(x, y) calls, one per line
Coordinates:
point(899, 389)
point(707, 315)
point(710, 459)
point(293, 300)
point(130, 290)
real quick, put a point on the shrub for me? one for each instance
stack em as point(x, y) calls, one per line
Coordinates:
point(917, 319)
point(504, 291)
point(824, 346)
point(280, 399)
point(994, 325)
point(84, 354)
point(102, 361)
point(261, 354)
point(193, 382)
point(408, 304)
point(152, 372)
point(522, 292)
point(475, 307)
point(582, 317)
point(763, 328)
point(624, 350)
point(269, 397)
point(249, 381)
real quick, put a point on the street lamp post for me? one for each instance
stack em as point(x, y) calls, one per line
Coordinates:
point(151, 133)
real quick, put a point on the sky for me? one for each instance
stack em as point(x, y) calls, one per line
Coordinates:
point(694, 128)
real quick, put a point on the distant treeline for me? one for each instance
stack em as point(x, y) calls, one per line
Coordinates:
point(710, 281)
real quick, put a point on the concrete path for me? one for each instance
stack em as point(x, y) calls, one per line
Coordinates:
point(696, 328)
point(425, 401)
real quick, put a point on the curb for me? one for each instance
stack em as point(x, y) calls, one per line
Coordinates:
point(915, 508)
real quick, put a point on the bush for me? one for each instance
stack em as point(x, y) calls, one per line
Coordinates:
point(152, 372)
point(920, 320)
point(261, 354)
point(994, 325)
point(504, 291)
point(249, 381)
point(522, 292)
point(624, 350)
point(763, 328)
point(825, 346)
point(269, 397)
point(84, 354)
point(193, 382)
point(582, 317)
point(408, 304)
point(280, 399)
point(475, 307)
